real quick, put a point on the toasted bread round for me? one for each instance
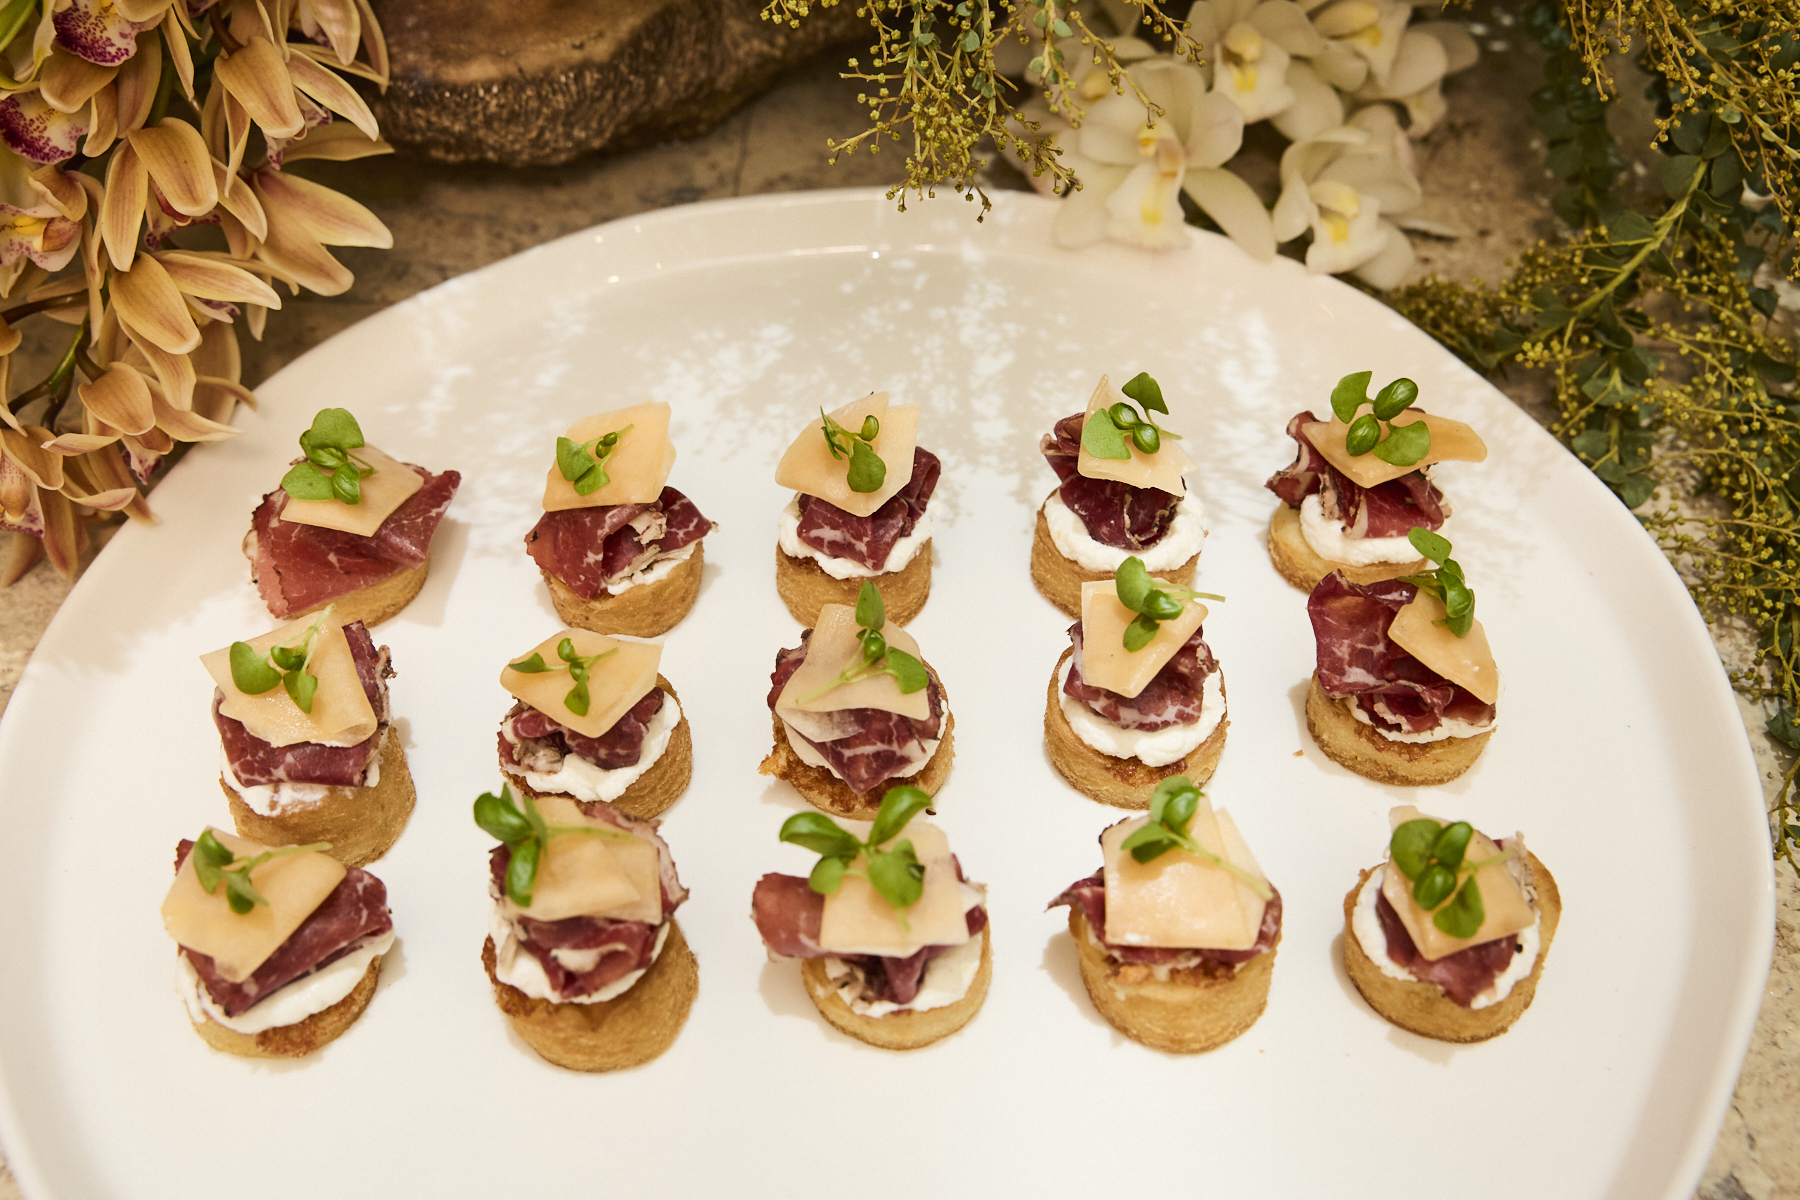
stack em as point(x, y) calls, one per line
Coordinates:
point(827, 793)
point(1301, 565)
point(376, 603)
point(361, 823)
point(805, 588)
point(1195, 1009)
point(631, 1028)
point(898, 1030)
point(1350, 743)
point(302, 1037)
point(1060, 578)
point(656, 788)
point(1120, 782)
point(1423, 1008)
point(646, 610)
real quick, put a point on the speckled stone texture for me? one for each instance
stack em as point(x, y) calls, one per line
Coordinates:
point(539, 82)
point(1484, 184)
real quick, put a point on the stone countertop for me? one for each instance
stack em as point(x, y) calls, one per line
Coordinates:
point(1483, 178)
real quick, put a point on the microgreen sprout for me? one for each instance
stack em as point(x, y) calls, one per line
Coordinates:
point(897, 874)
point(330, 471)
point(254, 672)
point(877, 657)
point(1432, 856)
point(526, 833)
point(214, 862)
point(584, 463)
point(1401, 445)
point(1104, 434)
point(577, 666)
point(1446, 582)
point(1172, 809)
point(867, 472)
point(1153, 600)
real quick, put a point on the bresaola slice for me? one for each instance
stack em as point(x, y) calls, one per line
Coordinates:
point(868, 541)
point(255, 762)
point(1172, 697)
point(298, 567)
point(874, 745)
point(1115, 514)
point(1356, 659)
point(1391, 509)
point(533, 731)
point(1463, 975)
point(590, 548)
point(1089, 895)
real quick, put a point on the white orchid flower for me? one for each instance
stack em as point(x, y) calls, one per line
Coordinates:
point(1134, 163)
point(1427, 54)
point(1342, 185)
point(1362, 39)
point(1252, 44)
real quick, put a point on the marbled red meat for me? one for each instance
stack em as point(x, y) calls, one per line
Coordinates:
point(1172, 697)
point(1463, 975)
point(354, 911)
point(869, 540)
point(1115, 514)
point(875, 745)
point(788, 915)
point(589, 548)
point(620, 746)
point(1089, 895)
point(255, 762)
point(1357, 658)
point(299, 567)
point(1390, 509)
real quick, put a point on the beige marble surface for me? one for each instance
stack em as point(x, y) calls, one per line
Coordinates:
point(1484, 182)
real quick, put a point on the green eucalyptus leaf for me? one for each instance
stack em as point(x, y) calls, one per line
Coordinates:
point(1411, 846)
point(898, 806)
point(1463, 916)
point(304, 481)
point(867, 471)
point(1405, 444)
point(1147, 392)
point(1395, 398)
point(1103, 439)
point(251, 673)
point(300, 688)
point(908, 672)
point(819, 833)
point(499, 818)
point(1140, 633)
point(1429, 545)
point(1363, 434)
point(1452, 844)
point(898, 875)
point(1435, 884)
point(532, 666)
point(1351, 393)
point(828, 875)
point(521, 871)
point(871, 611)
point(1131, 583)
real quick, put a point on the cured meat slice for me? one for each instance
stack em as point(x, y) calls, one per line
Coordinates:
point(255, 762)
point(1089, 895)
point(869, 540)
point(877, 745)
point(354, 911)
point(1172, 697)
point(1391, 509)
point(1115, 514)
point(533, 732)
point(1357, 658)
point(788, 914)
point(1463, 975)
point(589, 548)
point(299, 567)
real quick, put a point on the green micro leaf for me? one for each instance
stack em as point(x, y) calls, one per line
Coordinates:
point(500, 818)
point(898, 875)
point(871, 612)
point(1161, 606)
point(240, 893)
point(210, 858)
point(1147, 392)
point(1149, 842)
point(1362, 436)
point(819, 833)
point(1131, 582)
point(1428, 544)
point(251, 673)
point(346, 486)
point(521, 871)
point(867, 471)
point(1435, 884)
point(1103, 439)
point(572, 461)
point(577, 699)
point(288, 658)
point(1148, 438)
point(1463, 916)
point(835, 436)
point(874, 646)
point(1452, 844)
point(1351, 393)
point(1140, 633)
point(871, 428)
point(908, 672)
point(1411, 846)
point(1164, 792)
point(898, 806)
point(1405, 444)
point(1178, 813)
point(333, 427)
point(304, 481)
point(532, 666)
point(300, 688)
point(1394, 399)
point(828, 875)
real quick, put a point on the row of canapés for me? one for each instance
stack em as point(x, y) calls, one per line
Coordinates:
point(597, 742)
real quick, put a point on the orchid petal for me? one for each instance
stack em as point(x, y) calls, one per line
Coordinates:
point(1081, 218)
point(1316, 108)
point(176, 157)
point(60, 537)
point(217, 398)
point(174, 373)
point(68, 82)
point(324, 215)
point(103, 123)
point(38, 132)
point(150, 305)
point(341, 24)
point(1231, 202)
point(1390, 266)
point(120, 398)
point(241, 242)
point(1218, 130)
point(179, 54)
point(150, 12)
point(108, 501)
point(17, 489)
point(26, 448)
point(187, 426)
point(22, 554)
point(218, 357)
point(335, 143)
point(374, 44)
point(1284, 23)
point(1420, 62)
point(1460, 50)
point(257, 75)
point(79, 443)
point(137, 84)
point(97, 31)
point(1341, 67)
point(10, 338)
point(333, 93)
point(122, 211)
point(151, 444)
point(237, 199)
point(255, 318)
point(61, 191)
point(211, 278)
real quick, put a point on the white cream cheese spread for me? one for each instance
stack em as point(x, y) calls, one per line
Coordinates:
point(577, 777)
point(1332, 542)
point(1366, 924)
point(788, 529)
point(1187, 532)
point(656, 572)
point(274, 799)
point(1152, 747)
point(287, 1005)
point(1447, 727)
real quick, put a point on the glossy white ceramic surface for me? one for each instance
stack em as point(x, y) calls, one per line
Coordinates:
point(1620, 754)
